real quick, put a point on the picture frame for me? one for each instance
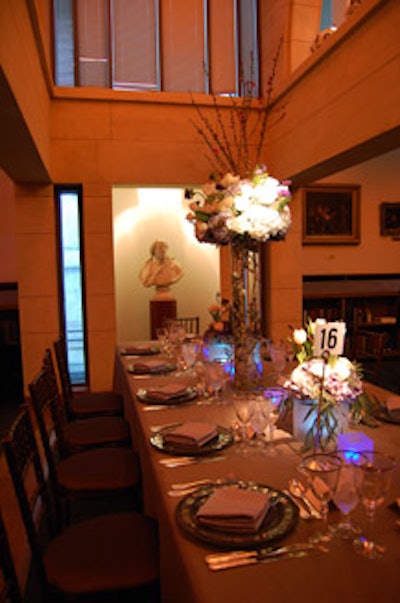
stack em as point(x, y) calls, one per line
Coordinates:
point(390, 219)
point(331, 214)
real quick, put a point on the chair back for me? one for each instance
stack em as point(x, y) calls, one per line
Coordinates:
point(60, 350)
point(49, 412)
point(191, 324)
point(369, 349)
point(10, 591)
point(22, 456)
point(48, 366)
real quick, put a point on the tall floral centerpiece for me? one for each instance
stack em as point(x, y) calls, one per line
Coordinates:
point(327, 390)
point(242, 206)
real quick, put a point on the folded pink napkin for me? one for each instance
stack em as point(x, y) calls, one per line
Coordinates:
point(150, 366)
point(233, 509)
point(137, 349)
point(393, 403)
point(191, 435)
point(166, 392)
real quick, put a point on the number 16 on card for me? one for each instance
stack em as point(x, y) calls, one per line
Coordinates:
point(329, 337)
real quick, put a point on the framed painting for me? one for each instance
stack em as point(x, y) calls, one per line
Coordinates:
point(390, 219)
point(331, 214)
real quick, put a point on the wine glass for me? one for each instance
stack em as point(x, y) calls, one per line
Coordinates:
point(162, 335)
point(322, 473)
point(275, 397)
point(189, 351)
point(243, 404)
point(260, 419)
point(215, 379)
point(277, 353)
point(376, 478)
point(346, 496)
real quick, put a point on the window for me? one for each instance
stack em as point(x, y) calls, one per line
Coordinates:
point(169, 45)
point(64, 46)
point(68, 200)
point(333, 13)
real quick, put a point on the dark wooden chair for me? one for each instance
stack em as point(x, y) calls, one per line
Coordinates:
point(191, 324)
point(10, 591)
point(86, 404)
point(370, 348)
point(100, 473)
point(93, 560)
point(82, 435)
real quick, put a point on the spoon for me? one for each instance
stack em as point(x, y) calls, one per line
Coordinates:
point(298, 490)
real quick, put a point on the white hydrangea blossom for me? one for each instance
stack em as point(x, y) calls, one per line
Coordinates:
point(256, 208)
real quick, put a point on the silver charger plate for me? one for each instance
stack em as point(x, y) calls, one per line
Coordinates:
point(280, 520)
point(389, 416)
point(223, 440)
point(166, 368)
point(190, 394)
point(137, 351)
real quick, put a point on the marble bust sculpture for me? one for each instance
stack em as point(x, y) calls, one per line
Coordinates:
point(160, 270)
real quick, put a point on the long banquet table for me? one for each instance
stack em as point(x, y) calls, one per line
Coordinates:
point(339, 575)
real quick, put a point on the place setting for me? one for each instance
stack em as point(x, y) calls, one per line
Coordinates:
point(193, 439)
point(235, 514)
point(151, 366)
point(389, 411)
point(173, 393)
point(139, 350)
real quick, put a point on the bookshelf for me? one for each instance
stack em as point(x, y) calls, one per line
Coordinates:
point(367, 303)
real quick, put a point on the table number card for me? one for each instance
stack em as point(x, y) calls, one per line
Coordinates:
point(329, 337)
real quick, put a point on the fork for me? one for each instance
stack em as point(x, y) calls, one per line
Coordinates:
point(189, 487)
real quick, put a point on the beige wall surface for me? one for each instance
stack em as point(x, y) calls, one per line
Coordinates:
point(8, 251)
point(379, 179)
point(25, 100)
point(141, 216)
point(341, 106)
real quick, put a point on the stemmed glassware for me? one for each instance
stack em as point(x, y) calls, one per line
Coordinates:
point(244, 408)
point(346, 496)
point(322, 473)
point(277, 353)
point(260, 418)
point(189, 350)
point(215, 379)
point(176, 337)
point(275, 397)
point(162, 336)
point(376, 478)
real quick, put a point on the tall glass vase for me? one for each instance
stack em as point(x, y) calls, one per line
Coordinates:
point(246, 316)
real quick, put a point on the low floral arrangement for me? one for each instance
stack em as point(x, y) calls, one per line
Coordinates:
point(220, 315)
point(330, 384)
point(233, 208)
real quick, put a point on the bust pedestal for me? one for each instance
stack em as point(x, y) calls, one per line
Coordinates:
point(162, 307)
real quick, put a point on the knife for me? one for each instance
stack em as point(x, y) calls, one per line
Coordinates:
point(242, 558)
point(183, 461)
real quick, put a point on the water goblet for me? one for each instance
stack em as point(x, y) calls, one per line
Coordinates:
point(162, 335)
point(376, 478)
point(243, 404)
point(189, 351)
point(260, 419)
point(346, 496)
point(275, 397)
point(277, 353)
point(322, 473)
point(214, 379)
